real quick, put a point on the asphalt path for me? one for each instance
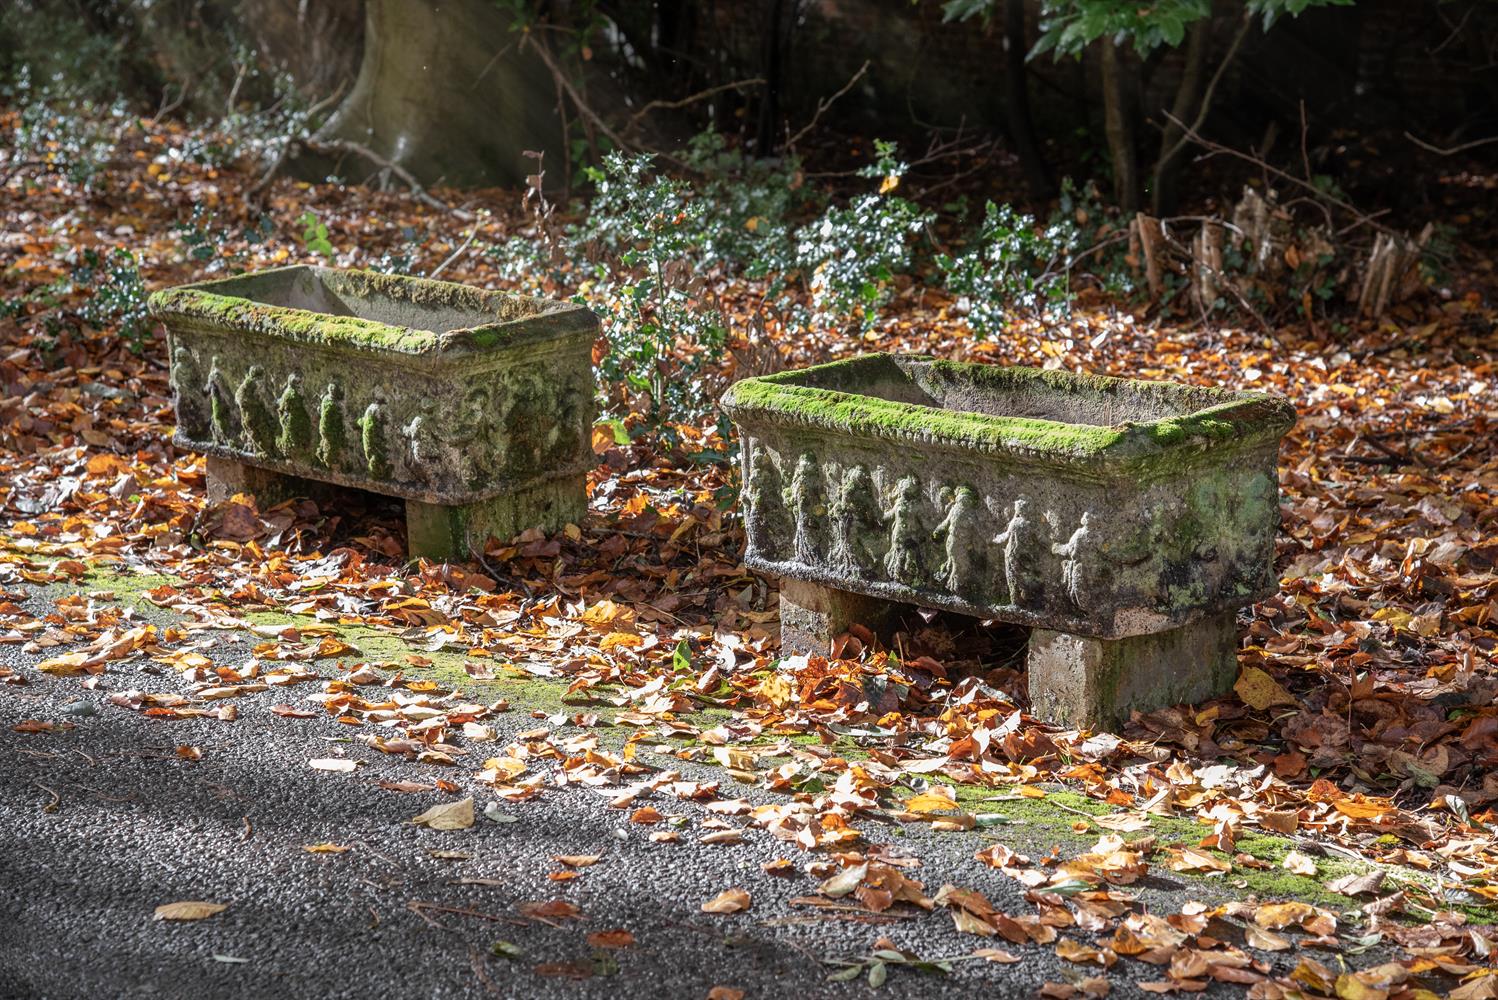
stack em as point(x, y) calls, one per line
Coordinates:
point(101, 824)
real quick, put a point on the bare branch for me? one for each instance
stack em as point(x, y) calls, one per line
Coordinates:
point(1320, 195)
point(1206, 103)
point(823, 104)
point(635, 119)
point(1454, 149)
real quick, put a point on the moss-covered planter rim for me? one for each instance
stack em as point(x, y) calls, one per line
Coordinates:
point(488, 321)
point(1211, 422)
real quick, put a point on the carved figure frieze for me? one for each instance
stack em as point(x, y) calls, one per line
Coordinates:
point(769, 523)
point(963, 544)
point(857, 522)
point(192, 413)
point(374, 439)
point(254, 413)
point(905, 560)
point(1020, 540)
point(332, 427)
point(1074, 553)
point(296, 432)
point(809, 506)
point(223, 413)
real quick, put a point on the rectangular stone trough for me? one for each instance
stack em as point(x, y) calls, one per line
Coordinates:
point(1123, 521)
point(473, 406)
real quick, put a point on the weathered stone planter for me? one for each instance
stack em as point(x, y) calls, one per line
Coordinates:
point(474, 406)
point(1123, 521)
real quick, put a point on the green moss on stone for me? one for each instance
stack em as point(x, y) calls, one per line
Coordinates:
point(844, 397)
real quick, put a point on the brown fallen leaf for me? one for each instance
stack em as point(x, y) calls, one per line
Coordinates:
point(550, 912)
point(1260, 691)
point(448, 816)
point(326, 848)
point(577, 860)
point(618, 938)
point(1357, 885)
point(727, 901)
point(1076, 951)
point(189, 910)
point(725, 993)
point(722, 837)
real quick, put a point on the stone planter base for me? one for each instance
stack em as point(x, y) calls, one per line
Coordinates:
point(453, 532)
point(1091, 683)
point(1074, 680)
point(812, 616)
point(435, 531)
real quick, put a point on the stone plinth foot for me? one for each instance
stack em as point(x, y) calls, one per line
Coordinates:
point(227, 477)
point(438, 531)
point(1082, 682)
point(811, 616)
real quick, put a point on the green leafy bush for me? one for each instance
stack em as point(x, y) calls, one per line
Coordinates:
point(661, 328)
point(1012, 265)
point(851, 254)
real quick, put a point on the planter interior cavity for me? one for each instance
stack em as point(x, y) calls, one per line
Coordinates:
point(474, 406)
point(1123, 521)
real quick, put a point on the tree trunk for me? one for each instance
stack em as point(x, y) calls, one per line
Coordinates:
point(1017, 103)
point(1118, 126)
point(768, 128)
point(1168, 165)
point(445, 91)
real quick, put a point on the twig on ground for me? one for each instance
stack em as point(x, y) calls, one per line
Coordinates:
point(50, 807)
point(461, 249)
point(254, 190)
point(420, 906)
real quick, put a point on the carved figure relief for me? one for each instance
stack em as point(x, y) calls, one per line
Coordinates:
point(332, 427)
point(472, 434)
point(809, 507)
point(223, 416)
point(960, 531)
point(857, 523)
point(905, 560)
point(192, 413)
point(1019, 541)
point(295, 436)
point(373, 437)
point(422, 450)
point(1072, 552)
point(254, 413)
point(523, 405)
point(561, 437)
point(768, 523)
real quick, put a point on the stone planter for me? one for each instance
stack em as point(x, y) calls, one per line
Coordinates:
point(1123, 521)
point(473, 406)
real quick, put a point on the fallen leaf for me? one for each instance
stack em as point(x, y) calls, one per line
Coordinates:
point(577, 860)
point(448, 816)
point(1299, 864)
point(189, 910)
point(611, 939)
point(1260, 691)
point(326, 848)
point(727, 901)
